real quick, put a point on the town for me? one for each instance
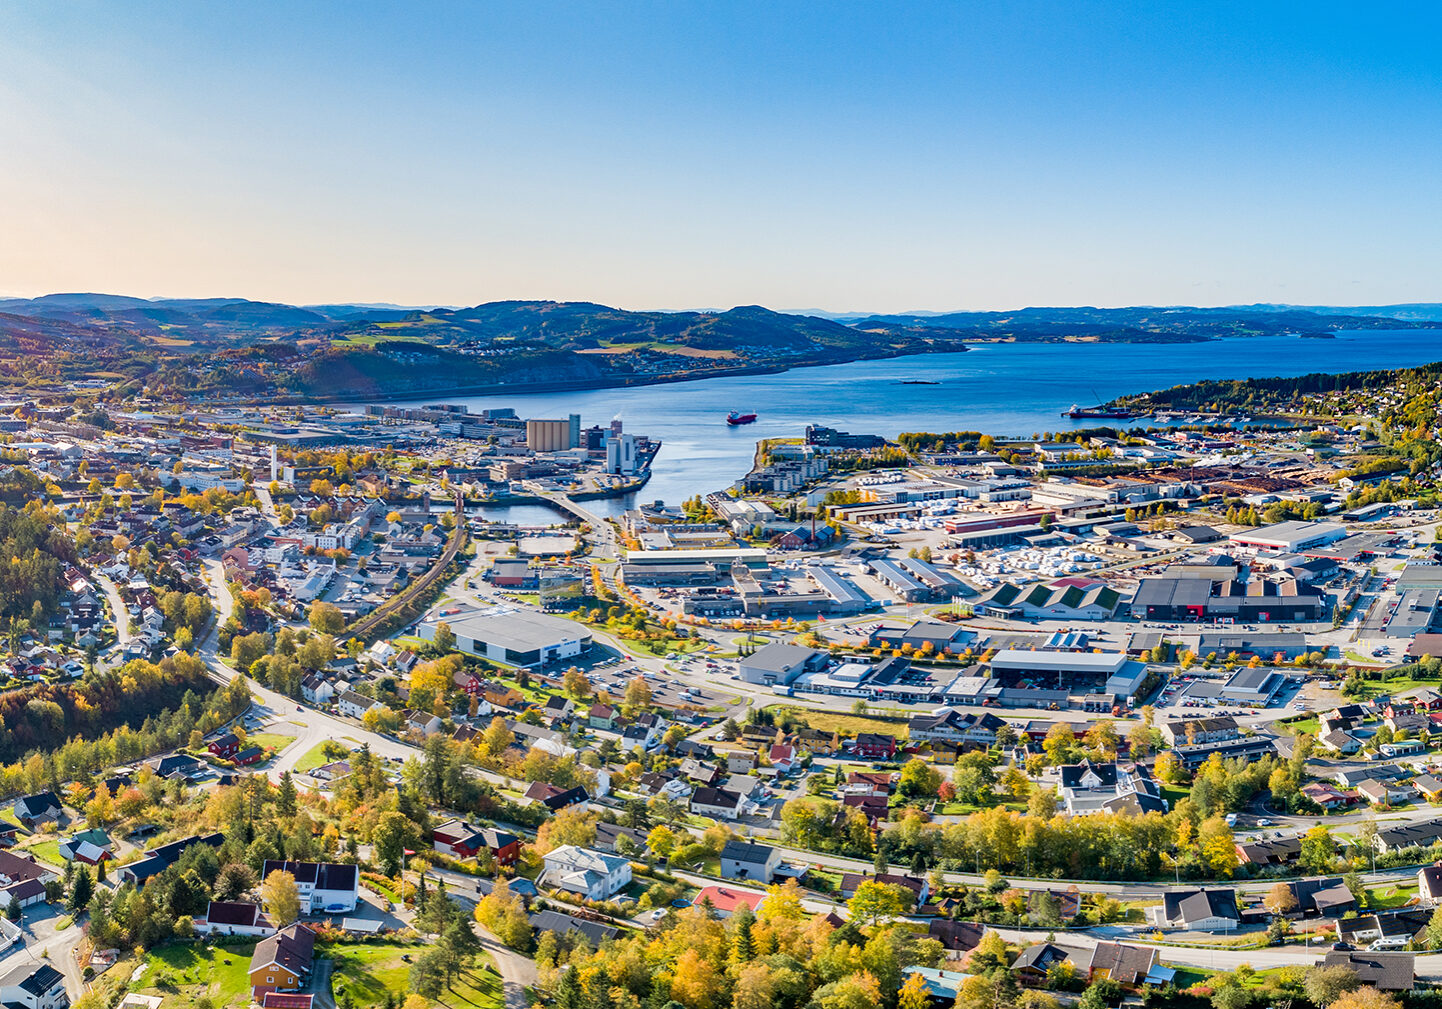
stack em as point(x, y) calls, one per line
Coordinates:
point(294, 718)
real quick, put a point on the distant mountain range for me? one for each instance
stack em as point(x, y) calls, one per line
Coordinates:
point(202, 344)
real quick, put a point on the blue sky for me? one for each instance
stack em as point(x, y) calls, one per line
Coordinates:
point(850, 156)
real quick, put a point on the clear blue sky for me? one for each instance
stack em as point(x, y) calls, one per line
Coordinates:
point(845, 156)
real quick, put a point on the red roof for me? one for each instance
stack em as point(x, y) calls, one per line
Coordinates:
point(286, 1000)
point(728, 899)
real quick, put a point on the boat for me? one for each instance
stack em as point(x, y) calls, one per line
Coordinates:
point(735, 418)
point(917, 381)
point(1099, 413)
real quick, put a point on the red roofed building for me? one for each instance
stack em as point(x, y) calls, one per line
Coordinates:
point(724, 900)
point(286, 1000)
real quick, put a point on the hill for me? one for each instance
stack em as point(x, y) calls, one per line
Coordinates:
point(1142, 324)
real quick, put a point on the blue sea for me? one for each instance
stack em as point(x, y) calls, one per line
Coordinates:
point(1004, 389)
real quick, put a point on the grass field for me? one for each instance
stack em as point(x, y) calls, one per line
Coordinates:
point(270, 740)
point(833, 721)
point(312, 758)
point(46, 851)
point(184, 974)
point(1393, 685)
point(1310, 725)
point(369, 970)
point(1386, 897)
point(478, 988)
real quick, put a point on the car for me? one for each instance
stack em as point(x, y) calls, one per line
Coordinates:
point(1264, 823)
point(657, 914)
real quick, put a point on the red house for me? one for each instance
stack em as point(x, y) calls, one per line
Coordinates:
point(875, 746)
point(249, 755)
point(458, 838)
point(226, 746)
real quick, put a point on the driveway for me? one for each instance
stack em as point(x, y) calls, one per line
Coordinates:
point(517, 972)
point(319, 983)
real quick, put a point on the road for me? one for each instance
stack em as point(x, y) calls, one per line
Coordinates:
point(43, 944)
point(518, 973)
point(123, 631)
point(1206, 958)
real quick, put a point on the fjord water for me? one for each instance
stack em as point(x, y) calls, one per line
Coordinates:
point(1005, 389)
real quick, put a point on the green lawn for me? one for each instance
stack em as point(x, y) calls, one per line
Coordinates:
point(369, 970)
point(1175, 794)
point(1383, 898)
point(46, 851)
point(270, 740)
point(313, 758)
point(478, 987)
point(832, 721)
point(183, 974)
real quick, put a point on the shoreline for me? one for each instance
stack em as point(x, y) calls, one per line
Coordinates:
point(619, 382)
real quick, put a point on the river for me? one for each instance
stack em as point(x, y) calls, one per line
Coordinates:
point(1004, 389)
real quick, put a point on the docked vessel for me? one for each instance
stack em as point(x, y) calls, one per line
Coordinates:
point(735, 418)
point(1099, 412)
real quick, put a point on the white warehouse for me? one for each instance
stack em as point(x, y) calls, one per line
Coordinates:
point(509, 634)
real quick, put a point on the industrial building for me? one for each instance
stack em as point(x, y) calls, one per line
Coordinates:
point(779, 664)
point(1195, 599)
point(553, 435)
point(509, 634)
point(1290, 537)
point(1068, 599)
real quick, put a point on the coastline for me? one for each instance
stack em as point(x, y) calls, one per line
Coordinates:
point(616, 382)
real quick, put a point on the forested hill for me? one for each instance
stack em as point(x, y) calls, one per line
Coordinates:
point(1145, 324)
point(1353, 391)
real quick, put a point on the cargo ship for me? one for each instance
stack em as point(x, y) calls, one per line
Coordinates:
point(1100, 413)
point(735, 418)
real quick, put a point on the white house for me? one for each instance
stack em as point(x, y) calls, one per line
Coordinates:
point(316, 689)
point(586, 873)
point(323, 886)
point(34, 987)
point(717, 803)
point(355, 705)
point(225, 917)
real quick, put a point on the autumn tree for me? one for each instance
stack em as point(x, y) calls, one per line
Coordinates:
point(281, 897)
point(1280, 899)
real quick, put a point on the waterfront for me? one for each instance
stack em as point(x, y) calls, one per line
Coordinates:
point(1005, 389)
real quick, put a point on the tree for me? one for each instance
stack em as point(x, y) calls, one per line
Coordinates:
point(574, 682)
point(1280, 899)
point(1325, 985)
point(235, 880)
point(1366, 998)
point(445, 640)
point(1139, 741)
point(874, 901)
point(1319, 850)
point(1231, 996)
point(1219, 847)
point(914, 993)
point(393, 833)
point(569, 826)
point(285, 796)
point(783, 900)
point(694, 981)
point(82, 886)
point(661, 840)
point(638, 693)
point(281, 897)
point(326, 618)
point(918, 778)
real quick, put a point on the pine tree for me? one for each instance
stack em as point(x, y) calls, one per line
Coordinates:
point(285, 797)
